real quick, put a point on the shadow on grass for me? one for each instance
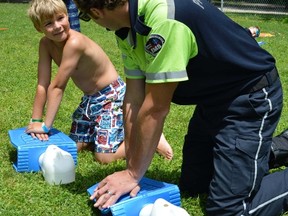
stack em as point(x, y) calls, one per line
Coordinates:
point(94, 211)
point(13, 155)
point(200, 198)
point(83, 181)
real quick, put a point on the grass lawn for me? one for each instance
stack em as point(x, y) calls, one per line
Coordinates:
point(28, 193)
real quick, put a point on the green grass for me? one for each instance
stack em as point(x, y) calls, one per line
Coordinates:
point(28, 193)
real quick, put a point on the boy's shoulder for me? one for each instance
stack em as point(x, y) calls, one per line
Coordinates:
point(79, 41)
point(76, 39)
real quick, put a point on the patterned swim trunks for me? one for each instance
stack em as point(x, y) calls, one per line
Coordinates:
point(99, 118)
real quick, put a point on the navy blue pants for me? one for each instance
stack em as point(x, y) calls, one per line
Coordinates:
point(226, 154)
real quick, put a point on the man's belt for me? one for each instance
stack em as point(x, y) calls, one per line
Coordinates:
point(268, 79)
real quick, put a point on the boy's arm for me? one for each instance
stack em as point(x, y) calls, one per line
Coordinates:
point(44, 78)
point(70, 57)
point(43, 81)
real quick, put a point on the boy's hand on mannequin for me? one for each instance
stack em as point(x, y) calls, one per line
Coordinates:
point(36, 131)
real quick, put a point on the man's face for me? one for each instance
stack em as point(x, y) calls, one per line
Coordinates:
point(106, 19)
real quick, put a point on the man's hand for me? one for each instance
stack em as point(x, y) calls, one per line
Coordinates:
point(111, 188)
point(36, 131)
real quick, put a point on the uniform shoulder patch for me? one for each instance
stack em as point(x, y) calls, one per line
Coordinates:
point(154, 44)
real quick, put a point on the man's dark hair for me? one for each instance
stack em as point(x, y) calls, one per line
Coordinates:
point(86, 5)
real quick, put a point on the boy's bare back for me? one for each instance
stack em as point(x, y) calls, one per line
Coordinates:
point(82, 60)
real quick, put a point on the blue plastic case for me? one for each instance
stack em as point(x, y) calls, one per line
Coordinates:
point(150, 191)
point(29, 149)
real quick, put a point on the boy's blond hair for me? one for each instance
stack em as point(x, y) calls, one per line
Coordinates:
point(40, 10)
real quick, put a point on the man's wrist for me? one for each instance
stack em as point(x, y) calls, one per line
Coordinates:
point(45, 128)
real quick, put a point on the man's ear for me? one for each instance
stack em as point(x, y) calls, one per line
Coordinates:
point(95, 12)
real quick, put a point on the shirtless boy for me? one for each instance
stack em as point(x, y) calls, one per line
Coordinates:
point(98, 121)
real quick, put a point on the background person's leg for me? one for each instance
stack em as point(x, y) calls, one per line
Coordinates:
point(73, 15)
point(279, 156)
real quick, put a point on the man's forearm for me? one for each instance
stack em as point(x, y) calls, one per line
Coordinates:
point(141, 152)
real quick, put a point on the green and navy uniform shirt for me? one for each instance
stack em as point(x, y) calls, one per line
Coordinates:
point(191, 42)
point(151, 58)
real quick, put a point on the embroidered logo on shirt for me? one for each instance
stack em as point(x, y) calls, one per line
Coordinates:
point(154, 44)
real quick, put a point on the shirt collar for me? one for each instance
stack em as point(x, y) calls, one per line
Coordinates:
point(137, 24)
